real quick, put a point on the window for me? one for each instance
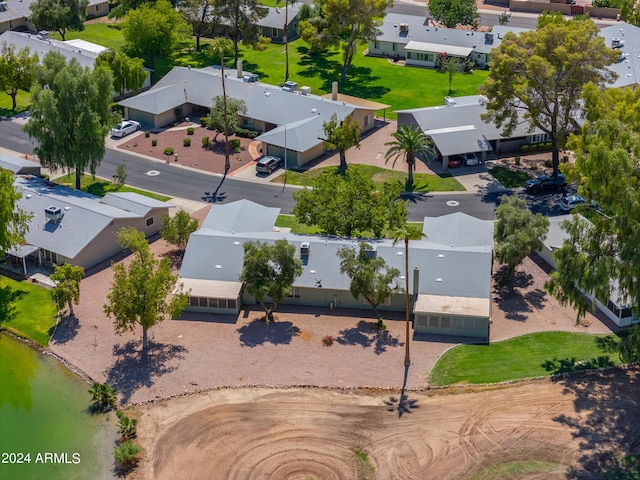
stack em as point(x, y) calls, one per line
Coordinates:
point(149, 221)
point(409, 55)
point(295, 293)
point(376, 44)
point(457, 323)
point(434, 322)
point(99, 7)
point(394, 47)
point(193, 301)
point(202, 302)
point(275, 32)
point(231, 303)
point(445, 322)
point(213, 303)
point(422, 322)
point(468, 323)
point(367, 119)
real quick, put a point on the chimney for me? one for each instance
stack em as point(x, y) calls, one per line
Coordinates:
point(334, 91)
point(416, 283)
point(239, 68)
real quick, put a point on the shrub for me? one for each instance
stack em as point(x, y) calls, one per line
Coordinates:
point(127, 426)
point(168, 151)
point(126, 453)
point(190, 130)
point(524, 148)
point(565, 159)
point(517, 160)
point(203, 121)
point(547, 145)
point(147, 134)
point(246, 133)
point(186, 142)
point(103, 396)
point(548, 163)
point(205, 142)
point(534, 167)
point(327, 340)
point(235, 144)
point(154, 142)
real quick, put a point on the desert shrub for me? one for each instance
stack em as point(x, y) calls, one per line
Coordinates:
point(547, 145)
point(246, 133)
point(205, 142)
point(154, 142)
point(534, 167)
point(126, 453)
point(524, 148)
point(517, 160)
point(235, 144)
point(203, 121)
point(186, 142)
point(565, 159)
point(168, 151)
point(190, 130)
point(147, 134)
point(548, 163)
point(327, 340)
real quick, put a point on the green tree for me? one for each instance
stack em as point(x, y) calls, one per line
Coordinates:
point(342, 136)
point(370, 275)
point(630, 12)
point(176, 229)
point(216, 118)
point(70, 115)
point(121, 174)
point(454, 12)
point(242, 16)
point(353, 21)
point(128, 427)
point(103, 396)
point(126, 454)
point(313, 28)
point(409, 142)
point(201, 15)
point(59, 15)
point(404, 233)
point(67, 288)
point(601, 255)
point(269, 270)
point(518, 232)
point(630, 345)
point(128, 73)
point(154, 29)
point(222, 46)
point(14, 221)
point(143, 291)
point(450, 65)
point(348, 203)
point(539, 76)
point(17, 70)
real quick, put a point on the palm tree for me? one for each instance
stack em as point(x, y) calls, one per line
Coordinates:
point(286, 36)
point(222, 46)
point(409, 142)
point(404, 233)
point(103, 396)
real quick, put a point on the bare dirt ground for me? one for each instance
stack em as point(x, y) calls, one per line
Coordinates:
point(565, 429)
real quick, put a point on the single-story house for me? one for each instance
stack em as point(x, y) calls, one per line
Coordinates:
point(409, 37)
point(14, 14)
point(272, 26)
point(288, 120)
point(71, 226)
point(625, 38)
point(450, 270)
point(615, 307)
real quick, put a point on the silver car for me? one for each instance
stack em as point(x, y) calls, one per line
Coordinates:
point(124, 128)
point(268, 164)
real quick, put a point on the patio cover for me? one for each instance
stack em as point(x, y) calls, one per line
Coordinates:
point(443, 304)
point(438, 48)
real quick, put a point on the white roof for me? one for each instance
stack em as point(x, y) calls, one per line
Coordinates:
point(459, 306)
point(452, 50)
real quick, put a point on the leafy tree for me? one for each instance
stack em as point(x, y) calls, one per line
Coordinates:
point(518, 232)
point(601, 255)
point(504, 18)
point(127, 426)
point(541, 74)
point(121, 174)
point(450, 65)
point(630, 12)
point(201, 15)
point(222, 46)
point(404, 233)
point(154, 29)
point(128, 73)
point(176, 229)
point(126, 454)
point(14, 222)
point(17, 70)
point(313, 28)
point(67, 288)
point(242, 16)
point(70, 115)
point(59, 15)
point(370, 275)
point(348, 203)
point(269, 270)
point(454, 12)
point(409, 142)
point(216, 117)
point(141, 288)
point(342, 136)
point(123, 7)
point(103, 396)
point(353, 21)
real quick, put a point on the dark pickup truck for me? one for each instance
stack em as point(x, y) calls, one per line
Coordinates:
point(545, 183)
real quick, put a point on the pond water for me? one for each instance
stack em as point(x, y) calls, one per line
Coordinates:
point(46, 430)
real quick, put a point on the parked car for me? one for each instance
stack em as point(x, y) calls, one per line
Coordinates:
point(546, 183)
point(470, 159)
point(454, 161)
point(124, 128)
point(572, 201)
point(268, 164)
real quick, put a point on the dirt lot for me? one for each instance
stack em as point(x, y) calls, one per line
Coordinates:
point(542, 430)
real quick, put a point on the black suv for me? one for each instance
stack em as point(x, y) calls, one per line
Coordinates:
point(545, 183)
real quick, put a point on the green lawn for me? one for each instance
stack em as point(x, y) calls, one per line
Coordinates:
point(534, 355)
point(106, 34)
point(31, 312)
point(290, 221)
point(444, 182)
point(23, 100)
point(509, 178)
point(100, 187)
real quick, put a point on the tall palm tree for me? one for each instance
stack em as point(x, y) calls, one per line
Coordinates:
point(222, 46)
point(404, 233)
point(286, 36)
point(409, 142)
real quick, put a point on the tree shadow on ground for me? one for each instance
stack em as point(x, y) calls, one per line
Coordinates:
point(175, 256)
point(259, 332)
point(513, 298)
point(606, 423)
point(402, 404)
point(8, 297)
point(366, 334)
point(134, 368)
point(66, 330)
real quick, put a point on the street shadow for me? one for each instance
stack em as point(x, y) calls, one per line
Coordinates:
point(134, 368)
point(259, 332)
point(402, 404)
point(366, 335)
point(66, 330)
point(606, 423)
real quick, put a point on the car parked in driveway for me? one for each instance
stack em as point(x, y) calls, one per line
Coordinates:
point(470, 159)
point(546, 183)
point(268, 164)
point(454, 161)
point(124, 128)
point(572, 201)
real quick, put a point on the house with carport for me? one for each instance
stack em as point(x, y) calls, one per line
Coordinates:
point(14, 14)
point(450, 270)
point(272, 26)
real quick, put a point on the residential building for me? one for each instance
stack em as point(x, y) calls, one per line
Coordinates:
point(272, 26)
point(14, 14)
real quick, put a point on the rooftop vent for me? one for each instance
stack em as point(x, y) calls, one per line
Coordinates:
point(616, 42)
point(250, 78)
point(290, 86)
point(449, 102)
point(488, 38)
point(404, 27)
point(3, 6)
point(53, 213)
point(371, 252)
point(304, 249)
point(305, 90)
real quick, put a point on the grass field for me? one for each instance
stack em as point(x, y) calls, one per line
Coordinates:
point(422, 182)
point(100, 187)
point(28, 310)
point(533, 355)
point(106, 34)
point(509, 178)
point(290, 221)
point(23, 102)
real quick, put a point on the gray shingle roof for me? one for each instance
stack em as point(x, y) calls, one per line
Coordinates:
point(628, 68)
point(240, 217)
point(275, 17)
point(15, 164)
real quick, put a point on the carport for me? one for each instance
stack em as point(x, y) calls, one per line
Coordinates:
point(22, 252)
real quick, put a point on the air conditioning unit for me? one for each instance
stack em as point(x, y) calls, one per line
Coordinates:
point(304, 249)
point(305, 90)
point(290, 86)
point(616, 42)
point(3, 6)
point(53, 213)
point(250, 78)
point(404, 27)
